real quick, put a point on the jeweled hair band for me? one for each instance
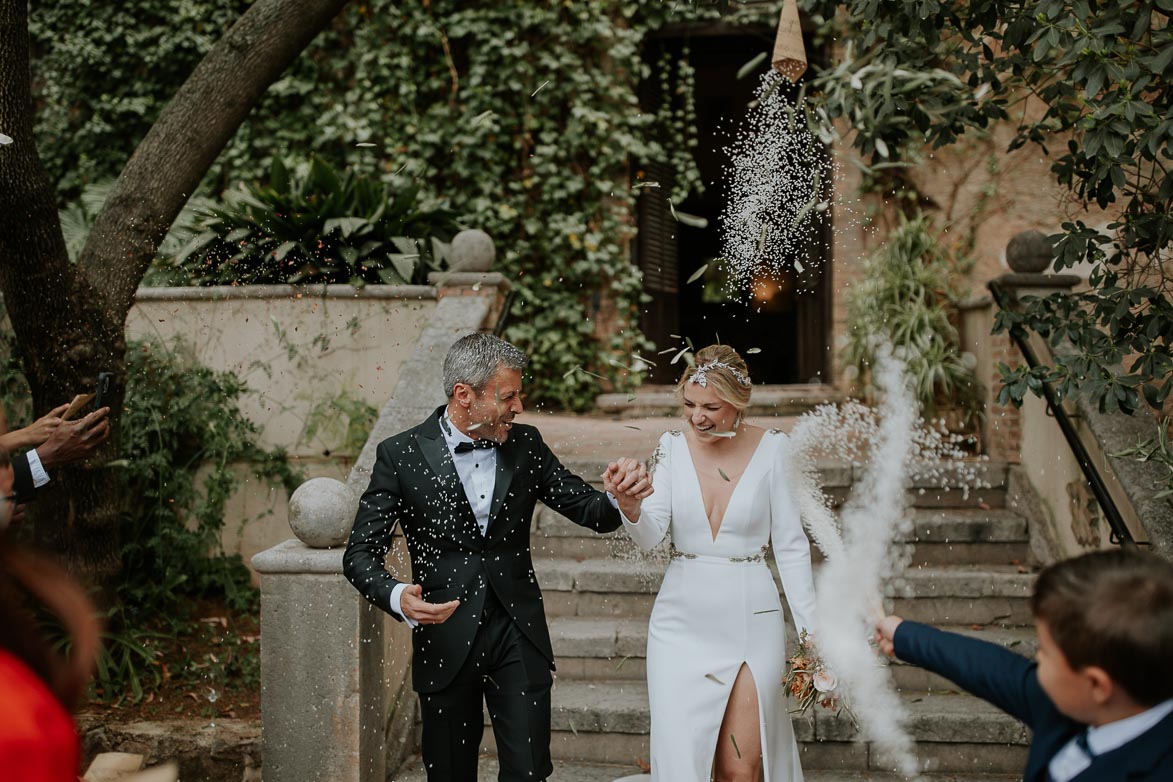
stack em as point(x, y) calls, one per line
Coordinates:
point(700, 379)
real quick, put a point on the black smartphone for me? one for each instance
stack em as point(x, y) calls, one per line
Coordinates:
point(105, 390)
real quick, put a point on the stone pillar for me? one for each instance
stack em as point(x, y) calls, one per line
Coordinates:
point(322, 690)
point(1029, 255)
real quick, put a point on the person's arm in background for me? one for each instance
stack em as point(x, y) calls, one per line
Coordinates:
point(35, 433)
point(70, 441)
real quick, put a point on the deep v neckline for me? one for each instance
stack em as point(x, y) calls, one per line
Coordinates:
point(733, 492)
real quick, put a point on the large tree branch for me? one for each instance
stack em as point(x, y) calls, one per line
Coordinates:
point(183, 143)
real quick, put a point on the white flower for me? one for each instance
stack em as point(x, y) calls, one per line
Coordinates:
point(825, 681)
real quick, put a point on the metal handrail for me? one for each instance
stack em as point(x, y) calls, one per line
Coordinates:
point(1120, 534)
point(503, 318)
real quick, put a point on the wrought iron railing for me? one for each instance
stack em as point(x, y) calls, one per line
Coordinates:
point(503, 318)
point(1120, 534)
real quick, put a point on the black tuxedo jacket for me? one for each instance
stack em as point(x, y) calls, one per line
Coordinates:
point(414, 483)
point(23, 488)
point(1010, 682)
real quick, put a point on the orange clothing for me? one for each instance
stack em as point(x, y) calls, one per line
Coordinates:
point(38, 742)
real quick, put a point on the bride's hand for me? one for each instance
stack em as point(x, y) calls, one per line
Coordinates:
point(627, 480)
point(628, 477)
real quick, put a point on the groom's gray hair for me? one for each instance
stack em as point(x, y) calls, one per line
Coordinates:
point(475, 358)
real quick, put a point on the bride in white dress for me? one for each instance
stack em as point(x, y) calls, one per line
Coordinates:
point(717, 640)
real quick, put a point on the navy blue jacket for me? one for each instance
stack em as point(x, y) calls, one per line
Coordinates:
point(1010, 682)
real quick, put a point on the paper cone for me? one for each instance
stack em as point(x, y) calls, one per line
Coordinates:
point(789, 54)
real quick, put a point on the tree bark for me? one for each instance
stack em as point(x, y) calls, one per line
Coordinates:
point(69, 320)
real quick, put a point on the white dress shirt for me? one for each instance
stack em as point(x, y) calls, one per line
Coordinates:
point(1071, 761)
point(36, 469)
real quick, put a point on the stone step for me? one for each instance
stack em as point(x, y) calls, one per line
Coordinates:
point(588, 649)
point(219, 750)
point(968, 485)
point(608, 722)
point(569, 771)
point(979, 474)
point(955, 594)
point(940, 536)
point(780, 400)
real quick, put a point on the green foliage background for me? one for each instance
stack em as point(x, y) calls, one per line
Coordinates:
point(522, 117)
point(920, 73)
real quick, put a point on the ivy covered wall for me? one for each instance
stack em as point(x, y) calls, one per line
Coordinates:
point(521, 115)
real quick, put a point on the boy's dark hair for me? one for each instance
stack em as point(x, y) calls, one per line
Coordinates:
point(1113, 610)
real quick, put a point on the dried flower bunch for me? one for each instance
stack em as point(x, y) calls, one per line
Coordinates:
point(809, 680)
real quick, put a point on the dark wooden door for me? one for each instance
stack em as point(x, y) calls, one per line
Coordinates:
point(786, 318)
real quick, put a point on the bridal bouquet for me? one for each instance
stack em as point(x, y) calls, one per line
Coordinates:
point(809, 681)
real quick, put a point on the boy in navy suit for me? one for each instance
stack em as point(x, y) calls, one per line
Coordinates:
point(1099, 697)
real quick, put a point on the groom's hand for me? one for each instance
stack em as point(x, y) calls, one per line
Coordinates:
point(419, 610)
point(885, 632)
point(630, 477)
point(629, 483)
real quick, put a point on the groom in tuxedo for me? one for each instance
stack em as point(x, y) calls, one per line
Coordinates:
point(463, 485)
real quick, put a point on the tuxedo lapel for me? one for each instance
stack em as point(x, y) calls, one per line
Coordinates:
point(506, 467)
point(439, 458)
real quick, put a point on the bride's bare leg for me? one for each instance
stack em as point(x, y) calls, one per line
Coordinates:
point(739, 746)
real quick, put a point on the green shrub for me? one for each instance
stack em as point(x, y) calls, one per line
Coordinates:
point(905, 296)
point(314, 226)
point(183, 437)
point(180, 416)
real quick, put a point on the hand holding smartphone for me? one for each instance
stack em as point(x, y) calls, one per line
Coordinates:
point(103, 391)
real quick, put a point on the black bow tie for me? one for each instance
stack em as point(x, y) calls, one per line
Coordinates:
point(475, 445)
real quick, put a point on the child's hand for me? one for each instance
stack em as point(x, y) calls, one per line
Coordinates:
point(885, 632)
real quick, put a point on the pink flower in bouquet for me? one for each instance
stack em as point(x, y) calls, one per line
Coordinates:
point(825, 681)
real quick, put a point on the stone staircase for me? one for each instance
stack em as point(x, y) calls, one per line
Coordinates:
point(968, 574)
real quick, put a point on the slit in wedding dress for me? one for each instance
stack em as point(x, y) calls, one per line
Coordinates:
point(727, 735)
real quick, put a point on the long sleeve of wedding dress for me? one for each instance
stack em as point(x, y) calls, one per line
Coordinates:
point(792, 549)
point(656, 511)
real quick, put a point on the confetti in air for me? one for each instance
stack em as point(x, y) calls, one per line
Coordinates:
point(864, 548)
point(778, 183)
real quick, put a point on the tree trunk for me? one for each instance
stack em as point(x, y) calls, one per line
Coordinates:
point(63, 333)
point(69, 320)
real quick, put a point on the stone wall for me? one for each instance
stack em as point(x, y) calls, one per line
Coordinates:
point(298, 349)
point(978, 193)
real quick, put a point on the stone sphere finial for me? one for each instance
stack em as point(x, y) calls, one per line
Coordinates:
point(472, 251)
point(321, 512)
point(1029, 252)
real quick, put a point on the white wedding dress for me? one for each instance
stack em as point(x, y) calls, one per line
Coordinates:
point(718, 607)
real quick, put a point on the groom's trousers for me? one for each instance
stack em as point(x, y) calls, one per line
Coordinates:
point(506, 671)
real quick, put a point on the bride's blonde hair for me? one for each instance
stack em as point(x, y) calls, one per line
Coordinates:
point(720, 368)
